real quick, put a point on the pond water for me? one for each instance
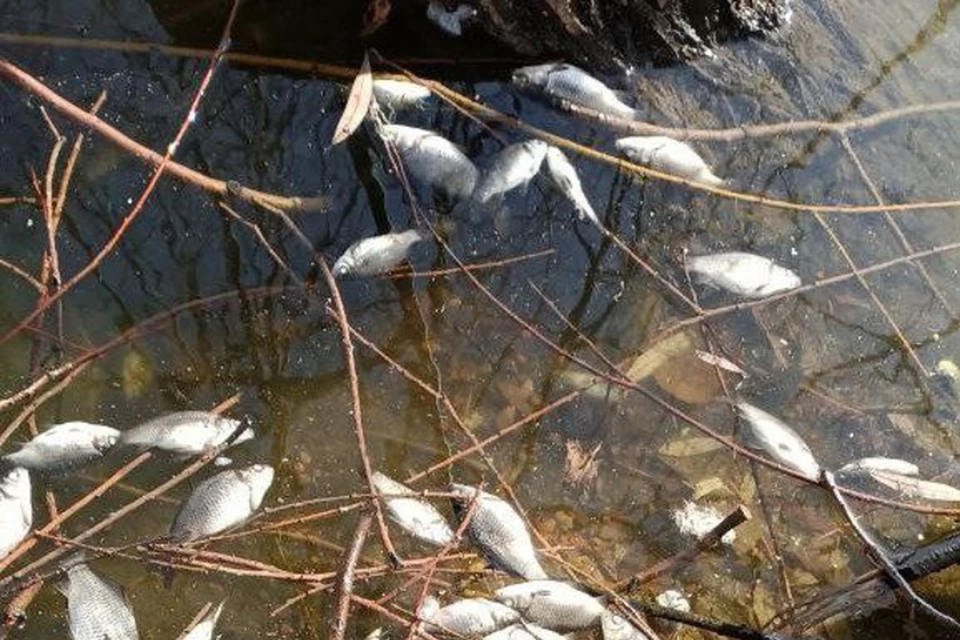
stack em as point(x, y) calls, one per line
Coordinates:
point(828, 359)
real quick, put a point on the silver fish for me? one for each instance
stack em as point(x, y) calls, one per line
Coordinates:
point(450, 22)
point(514, 166)
point(524, 631)
point(470, 617)
point(888, 465)
point(221, 502)
point(564, 175)
point(616, 627)
point(16, 509)
point(667, 155)
point(562, 81)
point(430, 158)
point(743, 274)
point(782, 443)
point(97, 608)
point(203, 630)
point(552, 604)
point(185, 433)
point(377, 254)
point(398, 94)
point(417, 517)
point(64, 446)
point(499, 532)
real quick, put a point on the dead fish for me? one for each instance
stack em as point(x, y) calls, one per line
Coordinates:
point(203, 630)
point(499, 532)
point(561, 81)
point(669, 156)
point(16, 509)
point(514, 166)
point(564, 175)
point(433, 160)
point(398, 94)
point(616, 627)
point(524, 631)
point(552, 604)
point(185, 433)
point(417, 517)
point(450, 22)
point(222, 501)
point(64, 446)
point(889, 465)
point(782, 443)
point(744, 274)
point(97, 608)
point(470, 617)
point(377, 254)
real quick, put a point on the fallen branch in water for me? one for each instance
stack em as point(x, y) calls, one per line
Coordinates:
point(338, 626)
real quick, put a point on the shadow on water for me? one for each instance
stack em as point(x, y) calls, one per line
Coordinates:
point(827, 360)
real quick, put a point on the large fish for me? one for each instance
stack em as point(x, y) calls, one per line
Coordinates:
point(222, 501)
point(498, 531)
point(524, 631)
point(186, 433)
point(564, 175)
point(433, 160)
point(669, 156)
point(743, 274)
point(64, 446)
point(377, 254)
point(781, 442)
point(203, 630)
point(514, 166)
point(552, 604)
point(471, 617)
point(417, 517)
point(16, 509)
point(561, 81)
point(97, 609)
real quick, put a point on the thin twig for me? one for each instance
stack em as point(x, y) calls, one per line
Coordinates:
point(338, 626)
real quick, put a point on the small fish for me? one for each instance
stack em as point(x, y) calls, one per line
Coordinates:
point(552, 604)
point(203, 630)
point(398, 94)
point(499, 532)
point(564, 175)
point(377, 254)
point(889, 465)
point(221, 502)
point(451, 22)
point(743, 274)
point(64, 446)
point(185, 433)
point(782, 443)
point(561, 81)
point(669, 156)
point(616, 627)
point(16, 509)
point(433, 160)
point(514, 166)
point(97, 608)
point(470, 617)
point(415, 516)
point(524, 631)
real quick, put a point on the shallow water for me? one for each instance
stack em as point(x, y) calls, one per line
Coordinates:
point(826, 360)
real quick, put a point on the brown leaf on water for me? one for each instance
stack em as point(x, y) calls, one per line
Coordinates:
point(358, 103)
point(580, 466)
point(376, 15)
point(690, 446)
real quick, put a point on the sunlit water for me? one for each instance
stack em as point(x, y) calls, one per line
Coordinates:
point(826, 360)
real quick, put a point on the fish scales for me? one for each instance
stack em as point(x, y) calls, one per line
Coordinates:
point(669, 156)
point(377, 254)
point(744, 274)
point(566, 82)
point(97, 608)
point(16, 509)
point(514, 166)
point(565, 176)
point(471, 617)
point(417, 517)
point(64, 446)
point(185, 433)
point(525, 631)
point(433, 160)
point(221, 502)
point(499, 532)
point(552, 604)
point(780, 441)
point(616, 627)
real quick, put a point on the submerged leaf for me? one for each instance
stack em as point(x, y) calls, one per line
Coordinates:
point(580, 465)
point(658, 355)
point(358, 103)
point(692, 446)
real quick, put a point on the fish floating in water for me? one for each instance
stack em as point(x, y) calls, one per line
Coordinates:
point(782, 443)
point(552, 604)
point(743, 274)
point(525, 631)
point(185, 433)
point(203, 630)
point(616, 627)
point(63, 447)
point(97, 608)
point(564, 175)
point(398, 94)
point(514, 166)
point(222, 501)
point(377, 254)
point(16, 509)
point(498, 531)
point(470, 617)
point(561, 81)
point(433, 160)
point(417, 517)
point(451, 22)
point(669, 156)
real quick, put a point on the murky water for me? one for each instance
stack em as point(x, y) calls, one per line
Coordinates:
point(827, 360)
